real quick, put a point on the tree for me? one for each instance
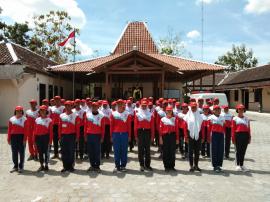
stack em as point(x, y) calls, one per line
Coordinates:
point(172, 44)
point(48, 31)
point(238, 58)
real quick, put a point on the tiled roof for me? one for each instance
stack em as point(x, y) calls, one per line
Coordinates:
point(24, 56)
point(208, 80)
point(249, 75)
point(5, 56)
point(136, 37)
point(185, 64)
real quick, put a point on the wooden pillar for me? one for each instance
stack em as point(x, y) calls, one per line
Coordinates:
point(106, 85)
point(201, 83)
point(89, 89)
point(162, 83)
point(214, 82)
point(193, 85)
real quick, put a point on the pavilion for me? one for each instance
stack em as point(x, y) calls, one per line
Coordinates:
point(136, 65)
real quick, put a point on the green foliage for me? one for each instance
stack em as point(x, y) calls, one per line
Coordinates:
point(49, 30)
point(172, 44)
point(238, 58)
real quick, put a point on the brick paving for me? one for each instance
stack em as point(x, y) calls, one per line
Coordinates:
point(145, 186)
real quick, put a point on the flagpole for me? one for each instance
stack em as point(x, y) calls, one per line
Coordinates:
point(73, 73)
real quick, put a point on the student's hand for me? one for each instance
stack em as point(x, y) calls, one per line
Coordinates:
point(177, 141)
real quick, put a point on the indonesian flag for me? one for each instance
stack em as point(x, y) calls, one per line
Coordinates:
point(71, 35)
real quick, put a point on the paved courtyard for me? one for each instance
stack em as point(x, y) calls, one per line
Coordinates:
point(147, 186)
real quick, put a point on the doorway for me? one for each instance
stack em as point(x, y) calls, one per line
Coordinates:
point(42, 92)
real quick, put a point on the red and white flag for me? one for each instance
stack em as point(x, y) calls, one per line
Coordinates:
point(70, 36)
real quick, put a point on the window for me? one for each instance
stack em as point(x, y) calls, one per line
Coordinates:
point(50, 92)
point(55, 90)
point(236, 95)
point(61, 91)
point(257, 95)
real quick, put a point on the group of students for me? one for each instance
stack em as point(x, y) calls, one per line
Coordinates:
point(91, 128)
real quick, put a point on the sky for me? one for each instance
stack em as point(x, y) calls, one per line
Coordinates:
point(101, 22)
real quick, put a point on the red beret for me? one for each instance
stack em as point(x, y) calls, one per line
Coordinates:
point(169, 108)
point(113, 103)
point(184, 105)
point(193, 104)
point(192, 100)
point(89, 102)
point(216, 107)
point(105, 102)
point(43, 107)
point(205, 106)
point(129, 102)
point(68, 102)
point(77, 101)
point(150, 103)
point(200, 99)
point(120, 101)
point(57, 97)
point(177, 104)
point(240, 106)
point(33, 101)
point(95, 104)
point(88, 99)
point(216, 99)
point(18, 108)
point(63, 100)
point(83, 100)
point(45, 101)
point(130, 98)
point(51, 100)
point(144, 102)
point(225, 106)
point(150, 98)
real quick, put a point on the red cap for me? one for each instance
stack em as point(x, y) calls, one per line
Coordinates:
point(113, 103)
point(33, 101)
point(200, 99)
point(157, 102)
point(170, 100)
point(215, 99)
point(43, 107)
point(45, 101)
point(174, 100)
point(129, 102)
point(216, 107)
point(169, 108)
point(137, 103)
point(150, 98)
point(184, 105)
point(57, 97)
point(144, 102)
point(165, 102)
point(83, 100)
point(77, 101)
point(68, 102)
point(161, 99)
point(88, 99)
point(150, 103)
point(192, 100)
point(205, 107)
point(240, 106)
point(177, 104)
point(89, 102)
point(120, 101)
point(193, 104)
point(225, 106)
point(105, 102)
point(51, 100)
point(18, 108)
point(130, 98)
point(95, 104)
point(63, 101)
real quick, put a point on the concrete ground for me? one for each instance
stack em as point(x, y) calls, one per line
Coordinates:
point(145, 186)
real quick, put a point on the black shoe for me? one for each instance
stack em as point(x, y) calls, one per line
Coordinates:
point(216, 169)
point(55, 156)
point(63, 170)
point(36, 158)
point(20, 170)
point(107, 156)
point(72, 169)
point(30, 158)
point(98, 170)
point(149, 168)
point(90, 169)
point(197, 168)
point(160, 156)
point(14, 170)
point(173, 169)
point(191, 169)
point(141, 168)
point(41, 168)
point(81, 157)
point(167, 170)
point(220, 170)
point(46, 168)
point(116, 170)
point(123, 169)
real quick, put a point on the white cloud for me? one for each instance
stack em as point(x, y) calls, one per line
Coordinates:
point(193, 34)
point(198, 2)
point(82, 47)
point(24, 10)
point(257, 6)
